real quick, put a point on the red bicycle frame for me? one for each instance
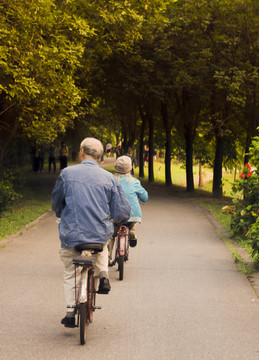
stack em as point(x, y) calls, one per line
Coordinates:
point(122, 239)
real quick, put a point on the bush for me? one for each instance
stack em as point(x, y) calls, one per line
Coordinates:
point(245, 215)
point(8, 193)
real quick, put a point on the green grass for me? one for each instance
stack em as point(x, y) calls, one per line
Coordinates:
point(178, 174)
point(215, 207)
point(35, 201)
point(241, 265)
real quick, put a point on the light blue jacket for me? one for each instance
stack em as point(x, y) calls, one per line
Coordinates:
point(134, 192)
point(87, 198)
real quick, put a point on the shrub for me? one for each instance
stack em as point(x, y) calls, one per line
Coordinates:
point(245, 215)
point(8, 193)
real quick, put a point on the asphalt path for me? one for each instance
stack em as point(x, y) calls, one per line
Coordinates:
point(181, 298)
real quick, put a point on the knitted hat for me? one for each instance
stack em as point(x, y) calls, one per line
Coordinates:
point(123, 164)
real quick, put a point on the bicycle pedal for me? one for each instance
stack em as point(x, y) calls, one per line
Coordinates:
point(112, 263)
point(103, 292)
point(97, 307)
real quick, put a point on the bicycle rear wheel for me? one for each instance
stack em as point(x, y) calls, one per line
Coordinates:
point(121, 266)
point(90, 297)
point(83, 322)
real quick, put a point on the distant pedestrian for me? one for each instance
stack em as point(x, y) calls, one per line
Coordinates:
point(118, 149)
point(146, 155)
point(108, 149)
point(155, 155)
point(63, 156)
point(41, 155)
point(52, 157)
point(33, 155)
point(131, 154)
point(36, 162)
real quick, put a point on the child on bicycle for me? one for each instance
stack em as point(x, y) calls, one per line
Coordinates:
point(134, 192)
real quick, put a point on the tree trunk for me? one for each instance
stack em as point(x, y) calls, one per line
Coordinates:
point(217, 172)
point(248, 144)
point(189, 164)
point(141, 145)
point(151, 149)
point(9, 136)
point(168, 178)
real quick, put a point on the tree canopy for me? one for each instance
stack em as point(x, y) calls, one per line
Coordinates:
point(141, 71)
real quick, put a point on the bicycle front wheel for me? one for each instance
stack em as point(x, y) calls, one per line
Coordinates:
point(121, 266)
point(83, 322)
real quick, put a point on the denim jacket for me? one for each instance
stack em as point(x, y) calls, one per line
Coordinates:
point(87, 198)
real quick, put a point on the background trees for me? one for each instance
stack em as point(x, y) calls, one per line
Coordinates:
point(41, 46)
point(138, 71)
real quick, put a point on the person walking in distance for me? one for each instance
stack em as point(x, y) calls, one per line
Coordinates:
point(52, 157)
point(63, 156)
point(86, 198)
point(146, 155)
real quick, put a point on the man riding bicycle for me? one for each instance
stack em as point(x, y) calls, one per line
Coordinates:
point(87, 199)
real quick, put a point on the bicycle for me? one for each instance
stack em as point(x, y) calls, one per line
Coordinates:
point(85, 293)
point(121, 249)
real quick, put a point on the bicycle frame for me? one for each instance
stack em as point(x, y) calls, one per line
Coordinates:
point(122, 234)
point(85, 289)
point(82, 286)
point(84, 294)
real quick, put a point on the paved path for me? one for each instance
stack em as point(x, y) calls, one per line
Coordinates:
point(181, 299)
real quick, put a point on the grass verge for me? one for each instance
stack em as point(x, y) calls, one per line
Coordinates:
point(35, 201)
point(241, 265)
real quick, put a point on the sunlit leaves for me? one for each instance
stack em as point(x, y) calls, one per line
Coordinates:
point(41, 46)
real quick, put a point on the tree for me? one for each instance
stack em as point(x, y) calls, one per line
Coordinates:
point(225, 26)
point(41, 46)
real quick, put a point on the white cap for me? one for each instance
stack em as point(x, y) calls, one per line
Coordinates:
point(123, 164)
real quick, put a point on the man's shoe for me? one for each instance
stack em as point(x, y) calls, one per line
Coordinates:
point(68, 321)
point(104, 286)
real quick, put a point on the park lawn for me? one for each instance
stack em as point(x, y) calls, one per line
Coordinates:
point(178, 174)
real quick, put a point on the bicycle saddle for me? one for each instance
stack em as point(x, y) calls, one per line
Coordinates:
point(96, 247)
point(83, 261)
point(123, 224)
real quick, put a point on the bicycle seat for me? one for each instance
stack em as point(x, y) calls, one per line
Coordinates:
point(127, 224)
point(83, 261)
point(96, 247)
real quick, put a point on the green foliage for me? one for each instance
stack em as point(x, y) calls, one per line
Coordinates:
point(253, 231)
point(8, 192)
point(253, 236)
point(41, 46)
point(245, 218)
point(94, 65)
